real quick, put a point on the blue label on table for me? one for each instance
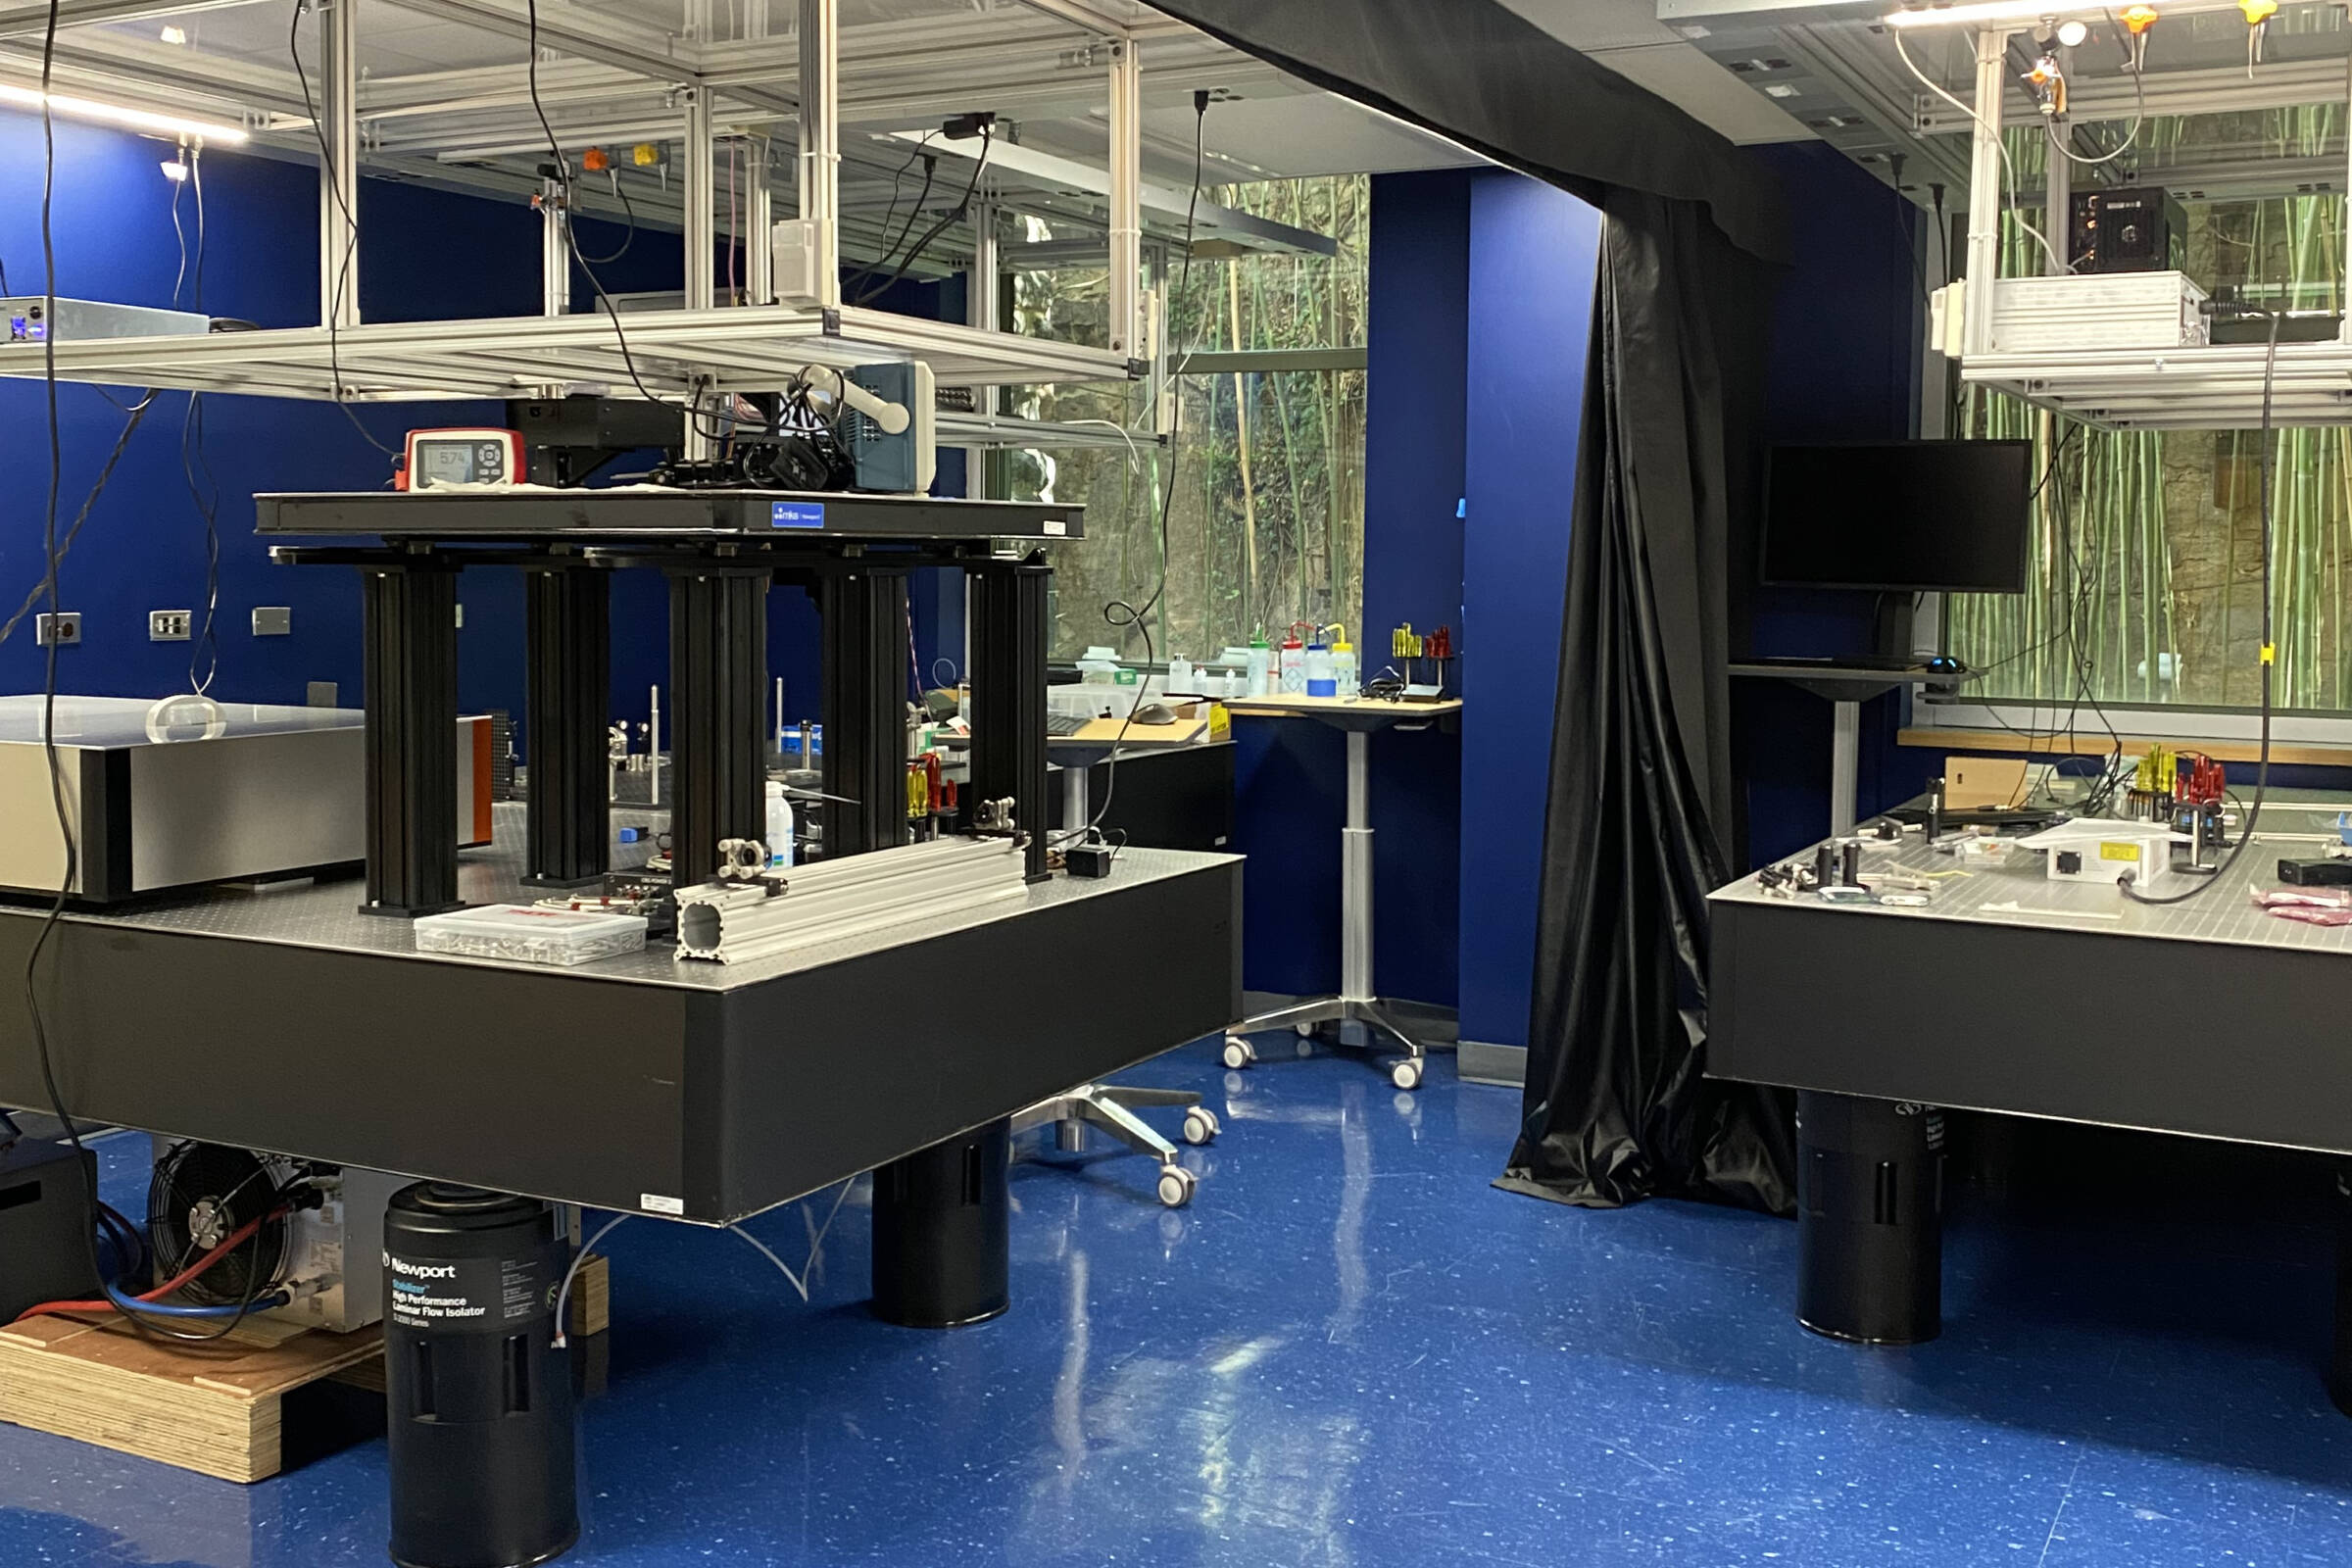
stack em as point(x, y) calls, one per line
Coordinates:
point(797, 515)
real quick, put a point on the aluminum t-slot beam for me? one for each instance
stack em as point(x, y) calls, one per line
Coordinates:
point(739, 922)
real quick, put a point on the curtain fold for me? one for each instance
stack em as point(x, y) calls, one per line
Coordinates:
point(1642, 801)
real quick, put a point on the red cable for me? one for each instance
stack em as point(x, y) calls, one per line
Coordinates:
point(239, 1238)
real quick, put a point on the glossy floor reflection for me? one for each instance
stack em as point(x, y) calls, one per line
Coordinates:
point(1351, 1350)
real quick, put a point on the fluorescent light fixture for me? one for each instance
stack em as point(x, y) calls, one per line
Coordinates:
point(1988, 11)
point(117, 115)
point(173, 35)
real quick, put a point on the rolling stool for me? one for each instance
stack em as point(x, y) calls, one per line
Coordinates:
point(1113, 1108)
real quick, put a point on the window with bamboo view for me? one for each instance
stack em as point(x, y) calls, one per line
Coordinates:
point(1265, 521)
point(2145, 576)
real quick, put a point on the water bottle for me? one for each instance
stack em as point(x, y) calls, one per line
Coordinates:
point(1321, 679)
point(1260, 669)
point(780, 825)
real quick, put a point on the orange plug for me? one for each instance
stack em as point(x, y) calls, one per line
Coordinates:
point(2140, 17)
point(596, 160)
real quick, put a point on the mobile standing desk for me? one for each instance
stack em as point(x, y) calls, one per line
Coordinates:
point(1356, 1002)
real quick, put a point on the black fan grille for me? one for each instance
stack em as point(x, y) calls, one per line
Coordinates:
point(227, 1187)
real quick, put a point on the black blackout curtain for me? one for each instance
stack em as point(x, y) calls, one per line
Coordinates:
point(1640, 793)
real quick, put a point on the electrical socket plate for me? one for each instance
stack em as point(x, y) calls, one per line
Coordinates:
point(63, 629)
point(273, 620)
point(170, 626)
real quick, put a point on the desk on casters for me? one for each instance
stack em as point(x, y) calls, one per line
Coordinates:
point(1356, 1002)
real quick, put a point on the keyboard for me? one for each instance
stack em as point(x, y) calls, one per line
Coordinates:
point(1065, 723)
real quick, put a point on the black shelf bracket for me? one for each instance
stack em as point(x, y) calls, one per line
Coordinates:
point(411, 737)
point(569, 638)
point(1008, 639)
point(718, 744)
point(863, 611)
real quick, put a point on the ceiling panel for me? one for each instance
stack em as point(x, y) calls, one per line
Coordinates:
point(1708, 93)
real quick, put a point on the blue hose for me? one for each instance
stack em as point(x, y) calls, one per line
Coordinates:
point(131, 1303)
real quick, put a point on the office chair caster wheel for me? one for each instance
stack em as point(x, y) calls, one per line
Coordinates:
point(1239, 1053)
point(1304, 1031)
point(1407, 1074)
point(1176, 1186)
point(1201, 1125)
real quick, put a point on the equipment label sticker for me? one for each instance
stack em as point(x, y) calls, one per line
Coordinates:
point(1055, 528)
point(661, 1204)
point(2119, 850)
point(797, 515)
point(474, 1294)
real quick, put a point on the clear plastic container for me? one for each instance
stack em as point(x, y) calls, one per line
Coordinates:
point(525, 934)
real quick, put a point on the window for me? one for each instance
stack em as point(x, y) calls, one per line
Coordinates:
point(1265, 521)
point(2145, 577)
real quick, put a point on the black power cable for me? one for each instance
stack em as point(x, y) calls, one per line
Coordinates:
point(2262, 768)
point(953, 215)
point(1134, 617)
point(351, 245)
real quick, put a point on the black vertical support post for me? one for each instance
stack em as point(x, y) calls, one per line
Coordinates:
point(717, 680)
point(568, 641)
point(411, 737)
point(864, 615)
point(1008, 637)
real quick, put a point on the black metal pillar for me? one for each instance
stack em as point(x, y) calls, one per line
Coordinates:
point(717, 680)
point(1869, 1219)
point(943, 1232)
point(1008, 637)
point(865, 616)
point(569, 638)
point(412, 746)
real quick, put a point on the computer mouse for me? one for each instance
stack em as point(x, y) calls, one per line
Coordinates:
point(1155, 714)
point(1946, 665)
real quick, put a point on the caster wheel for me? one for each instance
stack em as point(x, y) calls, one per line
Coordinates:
point(1303, 1050)
point(1407, 1074)
point(1201, 1125)
point(1239, 1053)
point(1176, 1186)
point(1304, 1031)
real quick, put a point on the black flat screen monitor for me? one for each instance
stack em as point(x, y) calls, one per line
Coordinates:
point(1911, 517)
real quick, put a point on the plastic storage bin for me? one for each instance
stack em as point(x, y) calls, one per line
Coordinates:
point(525, 934)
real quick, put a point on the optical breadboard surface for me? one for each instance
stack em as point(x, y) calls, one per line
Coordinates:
point(647, 512)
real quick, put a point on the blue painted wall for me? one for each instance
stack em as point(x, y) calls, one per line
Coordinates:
point(424, 255)
point(1534, 255)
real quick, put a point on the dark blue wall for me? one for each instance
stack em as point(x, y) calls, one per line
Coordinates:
point(1846, 331)
point(425, 254)
point(1533, 257)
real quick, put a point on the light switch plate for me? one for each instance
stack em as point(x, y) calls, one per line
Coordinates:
point(273, 620)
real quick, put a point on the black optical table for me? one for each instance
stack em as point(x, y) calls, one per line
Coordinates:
point(2013, 994)
point(288, 1021)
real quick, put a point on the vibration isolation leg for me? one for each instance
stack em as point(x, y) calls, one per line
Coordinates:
point(568, 635)
point(1869, 1219)
point(411, 737)
point(942, 1238)
point(718, 696)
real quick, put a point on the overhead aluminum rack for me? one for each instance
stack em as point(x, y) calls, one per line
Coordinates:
point(675, 353)
point(2203, 388)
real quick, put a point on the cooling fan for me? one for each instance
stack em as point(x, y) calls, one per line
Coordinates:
point(326, 1250)
point(202, 1194)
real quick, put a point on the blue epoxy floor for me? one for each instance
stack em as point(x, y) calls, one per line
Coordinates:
point(1352, 1351)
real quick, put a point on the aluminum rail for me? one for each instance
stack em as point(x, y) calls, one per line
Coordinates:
point(725, 922)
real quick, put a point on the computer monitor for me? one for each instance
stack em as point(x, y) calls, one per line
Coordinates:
point(1906, 516)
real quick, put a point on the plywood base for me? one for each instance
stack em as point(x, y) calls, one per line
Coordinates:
point(217, 1409)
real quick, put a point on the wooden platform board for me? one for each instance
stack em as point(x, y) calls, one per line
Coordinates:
point(217, 1409)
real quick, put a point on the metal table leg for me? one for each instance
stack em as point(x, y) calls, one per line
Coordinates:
point(1357, 1003)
